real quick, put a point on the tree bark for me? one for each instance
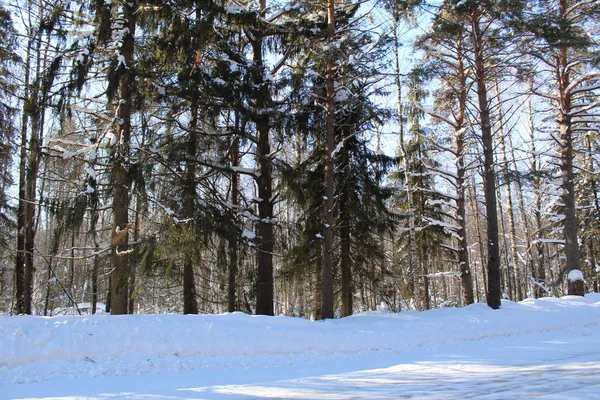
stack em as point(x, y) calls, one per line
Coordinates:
point(565, 122)
point(345, 258)
point(540, 263)
point(494, 294)
point(190, 303)
point(264, 257)
point(120, 168)
point(233, 242)
point(327, 270)
point(466, 278)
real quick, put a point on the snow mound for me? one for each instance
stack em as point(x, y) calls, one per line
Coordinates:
point(575, 275)
point(43, 348)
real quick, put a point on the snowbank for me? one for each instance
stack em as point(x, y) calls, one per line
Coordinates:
point(40, 348)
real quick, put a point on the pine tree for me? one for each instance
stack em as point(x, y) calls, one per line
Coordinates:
point(559, 41)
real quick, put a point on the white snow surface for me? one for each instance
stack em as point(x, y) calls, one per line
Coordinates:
point(575, 275)
point(547, 348)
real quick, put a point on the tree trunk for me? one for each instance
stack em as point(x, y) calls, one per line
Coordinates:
point(475, 205)
point(575, 286)
point(412, 241)
point(233, 242)
point(345, 258)
point(466, 277)
point(494, 294)
point(539, 271)
point(529, 257)
point(327, 270)
point(21, 287)
point(120, 168)
point(190, 303)
point(264, 256)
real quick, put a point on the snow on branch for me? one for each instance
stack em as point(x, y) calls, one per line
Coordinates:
point(573, 86)
point(442, 224)
point(548, 241)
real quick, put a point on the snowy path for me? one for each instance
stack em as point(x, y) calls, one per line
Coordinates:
point(563, 364)
point(549, 373)
point(546, 349)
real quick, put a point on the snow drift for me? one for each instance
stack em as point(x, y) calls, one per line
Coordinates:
point(41, 348)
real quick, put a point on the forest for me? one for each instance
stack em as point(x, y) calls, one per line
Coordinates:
point(292, 157)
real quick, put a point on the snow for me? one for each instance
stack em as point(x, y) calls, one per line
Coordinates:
point(575, 275)
point(248, 234)
point(547, 348)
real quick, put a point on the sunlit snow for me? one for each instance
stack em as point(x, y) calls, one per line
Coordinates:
point(543, 349)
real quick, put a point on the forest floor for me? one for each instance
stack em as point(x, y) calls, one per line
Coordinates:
point(540, 349)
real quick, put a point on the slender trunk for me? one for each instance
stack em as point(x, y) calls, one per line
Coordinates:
point(233, 242)
point(95, 269)
point(529, 258)
point(514, 264)
point(540, 263)
point(22, 287)
point(475, 205)
point(466, 278)
point(327, 270)
point(264, 256)
point(494, 294)
point(71, 281)
point(505, 272)
point(412, 241)
point(318, 300)
point(120, 168)
point(345, 257)
point(190, 303)
point(136, 236)
point(48, 277)
point(596, 209)
point(96, 265)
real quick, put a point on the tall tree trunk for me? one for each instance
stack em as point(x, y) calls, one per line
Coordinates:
point(345, 257)
point(264, 256)
point(575, 285)
point(466, 277)
point(412, 241)
point(494, 293)
point(327, 270)
point(540, 264)
point(190, 303)
point(120, 168)
point(21, 287)
point(233, 242)
point(136, 237)
point(475, 205)
point(22, 276)
point(507, 283)
point(596, 210)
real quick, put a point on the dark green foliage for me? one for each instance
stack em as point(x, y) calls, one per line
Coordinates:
point(8, 60)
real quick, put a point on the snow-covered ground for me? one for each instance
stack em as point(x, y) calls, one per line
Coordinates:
point(547, 348)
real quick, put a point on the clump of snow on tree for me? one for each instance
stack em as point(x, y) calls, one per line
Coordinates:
point(575, 275)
